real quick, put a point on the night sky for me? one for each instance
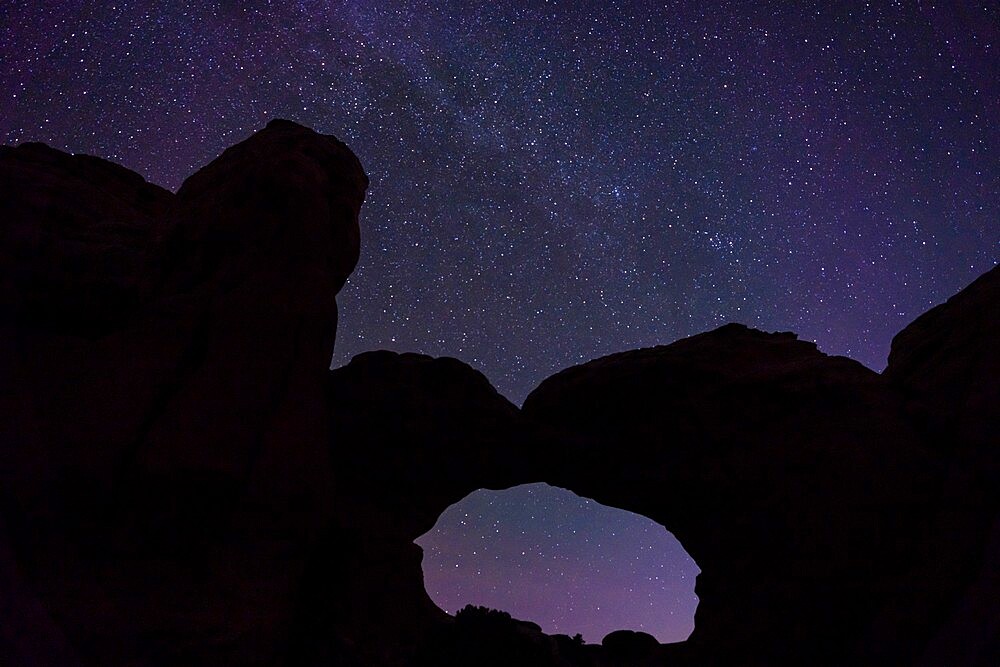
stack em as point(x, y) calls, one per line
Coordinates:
point(555, 181)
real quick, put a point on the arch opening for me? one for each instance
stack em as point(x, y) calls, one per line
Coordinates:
point(567, 563)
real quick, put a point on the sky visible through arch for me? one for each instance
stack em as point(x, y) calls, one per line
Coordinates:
point(568, 563)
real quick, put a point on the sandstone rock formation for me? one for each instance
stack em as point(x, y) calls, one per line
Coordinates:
point(791, 477)
point(946, 366)
point(411, 435)
point(184, 482)
point(162, 359)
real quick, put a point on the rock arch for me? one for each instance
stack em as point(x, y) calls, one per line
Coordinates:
point(170, 438)
point(793, 476)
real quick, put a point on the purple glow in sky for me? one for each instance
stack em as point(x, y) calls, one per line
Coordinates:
point(567, 563)
point(555, 181)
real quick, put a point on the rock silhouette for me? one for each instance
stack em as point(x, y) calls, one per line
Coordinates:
point(791, 477)
point(164, 462)
point(945, 365)
point(184, 482)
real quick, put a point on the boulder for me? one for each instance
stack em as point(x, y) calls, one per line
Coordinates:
point(628, 647)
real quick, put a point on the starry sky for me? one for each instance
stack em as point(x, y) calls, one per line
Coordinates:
point(553, 181)
point(567, 563)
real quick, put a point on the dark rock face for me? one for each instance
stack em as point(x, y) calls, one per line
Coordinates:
point(946, 365)
point(184, 482)
point(411, 435)
point(75, 240)
point(791, 477)
point(164, 461)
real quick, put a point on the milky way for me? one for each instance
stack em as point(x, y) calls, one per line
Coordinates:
point(555, 181)
point(552, 182)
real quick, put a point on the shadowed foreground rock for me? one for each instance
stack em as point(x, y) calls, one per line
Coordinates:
point(184, 482)
point(946, 365)
point(411, 435)
point(164, 464)
point(791, 477)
